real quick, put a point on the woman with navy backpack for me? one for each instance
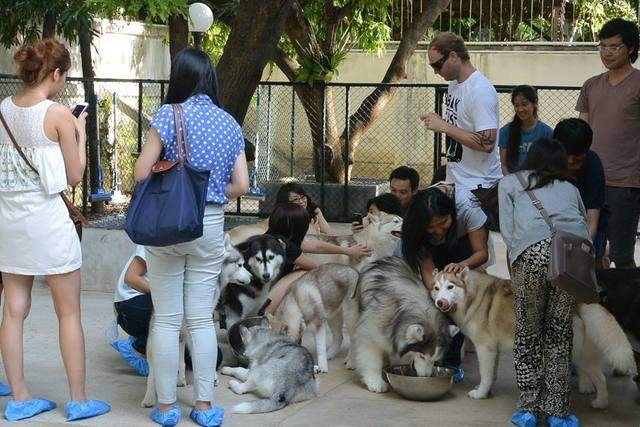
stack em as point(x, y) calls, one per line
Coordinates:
point(184, 277)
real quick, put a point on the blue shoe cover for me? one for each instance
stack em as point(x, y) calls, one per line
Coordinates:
point(15, 410)
point(4, 389)
point(133, 359)
point(570, 421)
point(210, 418)
point(82, 410)
point(168, 418)
point(524, 419)
point(459, 375)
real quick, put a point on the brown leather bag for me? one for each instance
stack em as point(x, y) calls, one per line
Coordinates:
point(572, 263)
point(79, 220)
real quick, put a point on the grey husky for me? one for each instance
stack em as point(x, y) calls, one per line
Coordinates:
point(397, 322)
point(280, 371)
point(317, 300)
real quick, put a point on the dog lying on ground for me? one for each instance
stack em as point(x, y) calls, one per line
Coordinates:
point(232, 270)
point(280, 371)
point(316, 300)
point(396, 322)
point(264, 256)
point(483, 307)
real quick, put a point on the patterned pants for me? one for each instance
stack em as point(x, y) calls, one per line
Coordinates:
point(543, 337)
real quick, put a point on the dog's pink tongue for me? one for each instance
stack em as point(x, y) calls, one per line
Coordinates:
point(443, 304)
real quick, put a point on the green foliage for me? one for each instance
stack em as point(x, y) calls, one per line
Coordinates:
point(153, 10)
point(214, 40)
point(594, 13)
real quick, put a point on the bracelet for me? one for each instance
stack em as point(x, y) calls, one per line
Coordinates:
point(443, 128)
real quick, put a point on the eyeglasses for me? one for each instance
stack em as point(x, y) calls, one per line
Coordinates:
point(437, 65)
point(297, 199)
point(611, 49)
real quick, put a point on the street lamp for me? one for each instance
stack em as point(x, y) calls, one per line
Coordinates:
point(200, 19)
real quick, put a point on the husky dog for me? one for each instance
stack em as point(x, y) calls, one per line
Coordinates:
point(397, 322)
point(316, 300)
point(483, 307)
point(279, 371)
point(382, 235)
point(264, 256)
point(232, 270)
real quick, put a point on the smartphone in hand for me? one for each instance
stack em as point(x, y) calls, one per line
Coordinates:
point(357, 218)
point(80, 108)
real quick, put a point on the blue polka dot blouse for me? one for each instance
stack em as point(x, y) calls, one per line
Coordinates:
point(215, 141)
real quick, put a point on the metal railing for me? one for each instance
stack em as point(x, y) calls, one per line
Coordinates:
point(284, 129)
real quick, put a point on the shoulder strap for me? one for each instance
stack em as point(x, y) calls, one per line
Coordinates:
point(15, 144)
point(182, 140)
point(536, 202)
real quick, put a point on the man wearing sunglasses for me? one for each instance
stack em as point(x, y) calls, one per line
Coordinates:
point(471, 119)
point(610, 103)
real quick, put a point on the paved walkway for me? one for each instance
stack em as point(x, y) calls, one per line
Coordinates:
point(343, 401)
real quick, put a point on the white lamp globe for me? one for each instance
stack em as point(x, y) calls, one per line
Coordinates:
point(200, 17)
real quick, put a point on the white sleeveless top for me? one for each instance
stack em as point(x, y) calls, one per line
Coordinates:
point(27, 126)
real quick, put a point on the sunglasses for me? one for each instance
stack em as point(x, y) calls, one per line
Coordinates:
point(437, 65)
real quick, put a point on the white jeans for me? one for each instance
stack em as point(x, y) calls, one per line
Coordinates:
point(184, 282)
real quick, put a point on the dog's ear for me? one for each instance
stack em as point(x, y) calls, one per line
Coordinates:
point(373, 219)
point(283, 243)
point(464, 274)
point(415, 333)
point(245, 334)
point(434, 273)
point(228, 245)
point(453, 330)
point(266, 321)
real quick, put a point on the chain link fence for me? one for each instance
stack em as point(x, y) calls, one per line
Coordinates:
point(296, 131)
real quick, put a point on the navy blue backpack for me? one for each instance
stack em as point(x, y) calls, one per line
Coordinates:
point(167, 207)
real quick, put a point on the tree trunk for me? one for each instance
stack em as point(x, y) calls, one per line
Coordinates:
point(374, 104)
point(178, 34)
point(92, 118)
point(254, 37)
point(49, 26)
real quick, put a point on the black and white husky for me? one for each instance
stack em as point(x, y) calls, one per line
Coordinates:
point(264, 257)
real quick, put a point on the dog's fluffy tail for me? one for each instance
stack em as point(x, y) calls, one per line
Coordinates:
point(259, 406)
point(607, 335)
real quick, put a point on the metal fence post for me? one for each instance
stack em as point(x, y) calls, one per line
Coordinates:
point(324, 143)
point(139, 117)
point(269, 133)
point(293, 128)
point(347, 135)
point(437, 136)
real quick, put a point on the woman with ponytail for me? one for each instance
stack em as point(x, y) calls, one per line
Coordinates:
point(517, 136)
point(38, 237)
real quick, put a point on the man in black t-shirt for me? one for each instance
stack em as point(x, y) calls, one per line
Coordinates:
point(586, 169)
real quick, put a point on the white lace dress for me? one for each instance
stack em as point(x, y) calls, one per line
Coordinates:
point(36, 235)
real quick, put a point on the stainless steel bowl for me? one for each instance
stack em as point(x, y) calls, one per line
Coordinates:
point(407, 384)
point(235, 340)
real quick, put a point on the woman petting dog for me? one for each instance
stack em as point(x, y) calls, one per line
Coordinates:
point(184, 277)
point(447, 234)
point(543, 336)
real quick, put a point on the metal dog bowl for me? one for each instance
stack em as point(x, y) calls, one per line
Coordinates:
point(235, 340)
point(407, 384)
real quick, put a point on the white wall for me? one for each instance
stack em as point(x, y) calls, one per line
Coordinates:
point(122, 50)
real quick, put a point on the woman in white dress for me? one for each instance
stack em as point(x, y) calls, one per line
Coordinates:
point(38, 238)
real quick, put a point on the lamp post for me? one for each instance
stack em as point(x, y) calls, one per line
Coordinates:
point(200, 20)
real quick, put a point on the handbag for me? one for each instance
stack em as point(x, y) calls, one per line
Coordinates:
point(167, 207)
point(487, 198)
point(79, 220)
point(572, 263)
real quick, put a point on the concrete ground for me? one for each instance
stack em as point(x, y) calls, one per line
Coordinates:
point(342, 401)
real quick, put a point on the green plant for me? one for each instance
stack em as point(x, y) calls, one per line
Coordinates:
point(593, 14)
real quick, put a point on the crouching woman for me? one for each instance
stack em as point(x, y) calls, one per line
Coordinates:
point(543, 335)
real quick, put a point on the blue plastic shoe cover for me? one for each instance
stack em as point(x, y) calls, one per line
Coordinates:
point(15, 410)
point(209, 418)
